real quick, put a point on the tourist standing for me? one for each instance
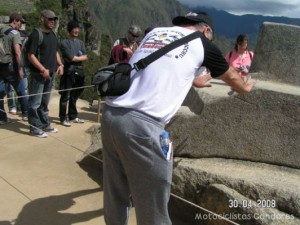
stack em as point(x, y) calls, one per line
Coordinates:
point(45, 63)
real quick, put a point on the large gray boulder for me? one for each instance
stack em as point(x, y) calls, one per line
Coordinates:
point(277, 53)
point(249, 193)
point(262, 126)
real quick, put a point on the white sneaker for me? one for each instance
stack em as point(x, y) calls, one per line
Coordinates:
point(77, 120)
point(39, 134)
point(51, 130)
point(66, 123)
point(13, 111)
point(42, 135)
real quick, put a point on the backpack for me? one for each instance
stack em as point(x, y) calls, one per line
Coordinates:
point(5, 48)
point(24, 57)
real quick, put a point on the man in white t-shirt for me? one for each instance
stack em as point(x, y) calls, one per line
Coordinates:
point(134, 164)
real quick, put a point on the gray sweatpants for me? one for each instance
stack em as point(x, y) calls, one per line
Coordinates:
point(135, 166)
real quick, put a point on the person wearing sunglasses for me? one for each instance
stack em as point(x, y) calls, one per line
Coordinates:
point(45, 62)
point(123, 48)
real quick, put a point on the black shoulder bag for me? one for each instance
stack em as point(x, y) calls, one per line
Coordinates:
point(114, 80)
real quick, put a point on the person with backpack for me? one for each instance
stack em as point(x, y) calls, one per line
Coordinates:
point(12, 100)
point(240, 57)
point(123, 48)
point(45, 62)
point(73, 53)
point(11, 69)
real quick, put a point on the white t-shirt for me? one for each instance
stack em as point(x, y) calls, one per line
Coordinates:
point(159, 89)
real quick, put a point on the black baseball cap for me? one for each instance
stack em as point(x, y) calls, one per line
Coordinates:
point(193, 18)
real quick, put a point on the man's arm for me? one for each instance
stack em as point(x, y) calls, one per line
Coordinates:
point(60, 69)
point(239, 85)
point(80, 58)
point(17, 50)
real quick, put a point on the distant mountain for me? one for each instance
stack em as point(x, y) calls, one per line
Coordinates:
point(230, 26)
point(115, 16)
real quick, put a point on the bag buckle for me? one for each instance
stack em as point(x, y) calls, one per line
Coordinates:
point(139, 65)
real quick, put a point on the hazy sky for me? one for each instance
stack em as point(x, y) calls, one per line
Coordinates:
point(288, 8)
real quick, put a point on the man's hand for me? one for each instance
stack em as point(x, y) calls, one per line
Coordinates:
point(249, 84)
point(60, 70)
point(45, 74)
point(237, 84)
point(129, 51)
point(202, 81)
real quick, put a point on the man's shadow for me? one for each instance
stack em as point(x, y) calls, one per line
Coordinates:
point(46, 211)
point(17, 125)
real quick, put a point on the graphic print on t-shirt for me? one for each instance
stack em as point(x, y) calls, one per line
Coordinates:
point(158, 39)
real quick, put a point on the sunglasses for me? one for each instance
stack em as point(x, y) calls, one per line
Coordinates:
point(52, 19)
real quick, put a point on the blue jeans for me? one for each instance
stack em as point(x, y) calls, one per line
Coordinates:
point(38, 112)
point(7, 75)
point(11, 97)
point(12, 101)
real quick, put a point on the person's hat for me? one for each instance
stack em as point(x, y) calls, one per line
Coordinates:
point(135, 30)
point(16, 16)
point(72, 24)
point(47, 13)
point(193, 18)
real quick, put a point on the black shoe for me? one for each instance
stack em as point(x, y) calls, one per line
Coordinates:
point(5, 121)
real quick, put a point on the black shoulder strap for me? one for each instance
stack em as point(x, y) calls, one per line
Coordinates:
point(143, 63)
point(40, 41)
point(8, 31)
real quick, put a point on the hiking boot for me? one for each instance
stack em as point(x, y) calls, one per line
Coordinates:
point(5, 121)
point(66, 123)
point(50, 130)
point(77, 120)
point(39, 133)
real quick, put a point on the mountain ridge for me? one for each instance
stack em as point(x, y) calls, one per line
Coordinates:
point(142, 13)
point(230, 26)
